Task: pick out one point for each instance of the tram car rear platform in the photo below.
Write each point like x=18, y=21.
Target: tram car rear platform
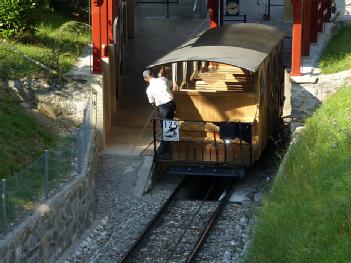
x=228, y=85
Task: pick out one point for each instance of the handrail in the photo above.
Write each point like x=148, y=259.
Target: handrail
x=166, y=2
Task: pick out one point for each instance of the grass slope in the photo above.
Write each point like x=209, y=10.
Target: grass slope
x=336, y=56
x=306, y=218
x=57, y=44
x=22, y=139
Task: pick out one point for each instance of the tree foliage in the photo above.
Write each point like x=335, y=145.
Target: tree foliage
x=19, y=16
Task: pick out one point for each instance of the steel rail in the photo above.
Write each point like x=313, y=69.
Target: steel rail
x=210, y=224
x=162, y=213
x=153, y=222
x=189, y=224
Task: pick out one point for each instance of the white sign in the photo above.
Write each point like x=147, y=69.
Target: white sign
x=171, y=131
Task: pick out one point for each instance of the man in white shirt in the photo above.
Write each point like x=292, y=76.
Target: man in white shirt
x=160, y=95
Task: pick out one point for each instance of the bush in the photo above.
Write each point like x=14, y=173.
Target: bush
x=19, y=16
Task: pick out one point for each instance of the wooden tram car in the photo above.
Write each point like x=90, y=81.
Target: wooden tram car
x=229, y=91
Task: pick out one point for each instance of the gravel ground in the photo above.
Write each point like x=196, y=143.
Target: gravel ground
x=173, y=239
x=123, y=215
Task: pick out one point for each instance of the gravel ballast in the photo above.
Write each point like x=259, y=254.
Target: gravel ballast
x=122, y=214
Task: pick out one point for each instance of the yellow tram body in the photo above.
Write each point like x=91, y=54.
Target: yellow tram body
x=227, y=81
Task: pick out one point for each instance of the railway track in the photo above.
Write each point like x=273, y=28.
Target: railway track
x=181, y=226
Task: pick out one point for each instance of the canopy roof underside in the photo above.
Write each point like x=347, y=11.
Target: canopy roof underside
x=241, y=45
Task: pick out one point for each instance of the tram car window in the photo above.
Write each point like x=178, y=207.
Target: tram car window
x=228, y=88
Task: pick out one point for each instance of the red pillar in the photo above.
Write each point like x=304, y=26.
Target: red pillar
x=296, y=38
x=314, y=21
x=213, y=6
x=104, y=28
x=306, y=28
x=96, y=35
x=103, y=12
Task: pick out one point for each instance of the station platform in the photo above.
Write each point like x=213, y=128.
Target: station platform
x=132, y=133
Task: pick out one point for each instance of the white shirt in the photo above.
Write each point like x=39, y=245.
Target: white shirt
x=159, y=91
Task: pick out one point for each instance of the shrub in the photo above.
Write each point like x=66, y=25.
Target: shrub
x=19, y=16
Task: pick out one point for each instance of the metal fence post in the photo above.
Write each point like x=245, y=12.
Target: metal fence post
x=78, y=149
x=167, y=9
x=4, y=211
x=84, y=130
x=46, y=174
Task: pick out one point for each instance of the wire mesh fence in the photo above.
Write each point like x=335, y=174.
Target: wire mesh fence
x=23, y=191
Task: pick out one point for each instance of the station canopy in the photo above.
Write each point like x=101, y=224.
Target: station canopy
x=241, y=45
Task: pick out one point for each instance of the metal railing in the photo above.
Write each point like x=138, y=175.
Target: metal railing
x=165, y=2
x=228, y=143
x=23, y=191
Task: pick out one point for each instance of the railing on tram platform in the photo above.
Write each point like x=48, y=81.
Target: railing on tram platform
x=220, y=144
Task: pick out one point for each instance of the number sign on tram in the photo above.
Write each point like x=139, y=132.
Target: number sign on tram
x=171, y=131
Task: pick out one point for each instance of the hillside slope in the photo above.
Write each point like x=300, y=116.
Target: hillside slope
x=306, y=217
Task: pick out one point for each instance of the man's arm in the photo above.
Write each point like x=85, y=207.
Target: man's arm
x=150, y=97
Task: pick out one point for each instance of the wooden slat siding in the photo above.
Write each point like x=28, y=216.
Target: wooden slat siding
x=183, y=151
x=269, y=106
x=199, y=106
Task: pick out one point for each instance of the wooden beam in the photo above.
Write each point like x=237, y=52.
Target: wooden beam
x=297, y=38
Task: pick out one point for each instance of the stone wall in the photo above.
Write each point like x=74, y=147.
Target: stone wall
x=56, y=224
x=55, y=98
x=305, y=98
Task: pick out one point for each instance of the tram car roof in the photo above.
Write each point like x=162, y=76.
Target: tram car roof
x=243, y=45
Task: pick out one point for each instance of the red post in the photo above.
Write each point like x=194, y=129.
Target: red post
x=96, y=35
x=296, y=38
x=104, y=28
x=103, y=13
x=213, y=6
x=314, y=21
x=306, y=28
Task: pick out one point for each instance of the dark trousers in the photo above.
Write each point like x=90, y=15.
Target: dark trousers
x=166, y=111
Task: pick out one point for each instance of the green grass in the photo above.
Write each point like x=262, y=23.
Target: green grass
x=22, y=144
x=306, y=218
x=22, y=138
x=57, y=44
x=336, y=56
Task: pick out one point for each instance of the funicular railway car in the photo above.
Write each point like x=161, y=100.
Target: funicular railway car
x=229, y=91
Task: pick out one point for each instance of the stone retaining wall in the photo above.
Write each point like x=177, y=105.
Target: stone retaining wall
x=56, y=224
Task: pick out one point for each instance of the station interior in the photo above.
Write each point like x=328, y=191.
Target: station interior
x=155, y=35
